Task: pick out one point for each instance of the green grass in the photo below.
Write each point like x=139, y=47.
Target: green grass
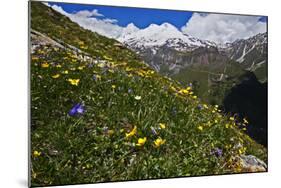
x=93, y=147
x=203, y=76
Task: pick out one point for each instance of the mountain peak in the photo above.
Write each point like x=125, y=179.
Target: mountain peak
x=132, y=26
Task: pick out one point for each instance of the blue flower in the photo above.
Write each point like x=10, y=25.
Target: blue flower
x=200, y=107
x=130, y=90
x=154, y=132
x=217, y=152
x=76, y=109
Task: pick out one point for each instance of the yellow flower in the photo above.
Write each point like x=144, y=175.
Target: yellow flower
x=36, y=153
x=74, y=81
x=216, y=121
x=200, y=128
x=113, y=86
x=183, y=91
x=227, y=125
x=158, y=142
x=56, y=76
x=194, y=97
x=80, y=67
x=58, y=66
x=162, y=125
x=45, y=65
x=231, y=118
x=34, y=58
x=132, y=133
x=188, y=88
x=138, y=97
x=141, y=141
x=205, y=106
x=110, y=132
x=242, y=150
x=65, y=72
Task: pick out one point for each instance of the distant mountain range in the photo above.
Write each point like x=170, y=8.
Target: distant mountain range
x=168, y=50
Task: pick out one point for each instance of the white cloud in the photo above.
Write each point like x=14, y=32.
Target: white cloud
x=223, y=28
x=87, y=19
x=58, y=9
x=88, y=14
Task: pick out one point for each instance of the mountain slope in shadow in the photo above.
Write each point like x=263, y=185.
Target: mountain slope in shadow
x=249, y=99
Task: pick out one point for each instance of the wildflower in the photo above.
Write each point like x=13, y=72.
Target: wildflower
x=227, y=125
x=200, y=128
x=158, y=142
x=183, y=91
x=36, y=153
x=130, y=90
x=97, y=77
x=113, y=86
x=217, y=152
x=132, y=133
x=76, y=109
x=65, y=72
x=45, y=65
x=200, y=107
x=194, y=97
x=245, y=121
x=231, y=118
x=205, y=106
x=58, y=66
x=56, y=76
x=74, y=81
x=34, y=58
x=154, y=132
x=242, y=150
x=80, y=67
x=141, y=141
x=162, y=125
x=110, y=132
x=216, y=121
x=138, y=97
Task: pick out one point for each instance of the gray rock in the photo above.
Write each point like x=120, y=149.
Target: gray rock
x=250, y=163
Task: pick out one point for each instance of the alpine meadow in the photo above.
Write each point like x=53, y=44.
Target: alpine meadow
x=149, y=103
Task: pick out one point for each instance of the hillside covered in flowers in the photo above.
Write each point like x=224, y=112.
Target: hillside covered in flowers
x=99, y=113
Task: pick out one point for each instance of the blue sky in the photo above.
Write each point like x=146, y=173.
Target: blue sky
x=139, y=16
x=110, y=21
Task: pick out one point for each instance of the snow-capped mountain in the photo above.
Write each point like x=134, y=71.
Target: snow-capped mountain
x=155, y=36
x=251, y=53
x=240, y=49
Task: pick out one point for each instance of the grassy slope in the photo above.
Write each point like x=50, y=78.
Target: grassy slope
x=202, y=75
x=92, y=147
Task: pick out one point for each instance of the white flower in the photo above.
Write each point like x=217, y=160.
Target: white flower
x=138, y=97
